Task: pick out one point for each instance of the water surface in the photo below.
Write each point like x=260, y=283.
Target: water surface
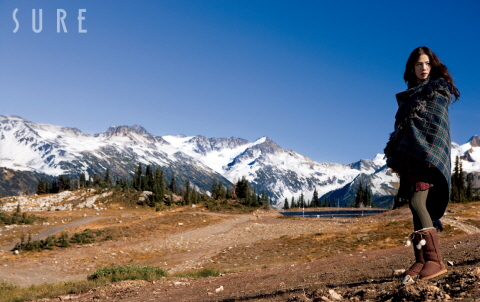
x=334, y=213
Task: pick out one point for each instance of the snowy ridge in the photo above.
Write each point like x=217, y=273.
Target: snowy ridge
x=281, y=173
x=469, y=153
x=55, y=150
x=289, y=173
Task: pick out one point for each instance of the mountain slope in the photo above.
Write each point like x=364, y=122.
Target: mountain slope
x=281, y=173
x=53, y=150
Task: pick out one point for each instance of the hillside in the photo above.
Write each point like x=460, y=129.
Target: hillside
x=263, y=256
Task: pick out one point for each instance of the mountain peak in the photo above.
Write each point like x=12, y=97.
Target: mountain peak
x=266, y=144
x=12, y=117
x=475, y=141
x=125, y=130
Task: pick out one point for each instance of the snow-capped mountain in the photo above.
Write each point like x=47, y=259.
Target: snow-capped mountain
x=54, y=150
x=281, y=173
x=469, y=153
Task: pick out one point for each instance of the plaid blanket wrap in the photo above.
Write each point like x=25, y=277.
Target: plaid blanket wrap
x=422, y=132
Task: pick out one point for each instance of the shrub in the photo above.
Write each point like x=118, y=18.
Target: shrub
x=86, y=236
x=63, y=240
x=49, y=243
x=128, y=272
x=19, y=218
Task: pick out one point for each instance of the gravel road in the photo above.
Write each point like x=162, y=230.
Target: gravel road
x=56, y=229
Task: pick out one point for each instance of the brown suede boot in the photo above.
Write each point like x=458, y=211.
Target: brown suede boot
x=431, y=253
x=415, y=269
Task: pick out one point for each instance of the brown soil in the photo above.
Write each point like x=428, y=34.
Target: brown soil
x=264, y=257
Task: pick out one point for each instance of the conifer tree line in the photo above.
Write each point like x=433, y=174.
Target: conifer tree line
x=462, y=184
x=67, y=183
x=152, y=178
x=300, y=202
x=241, y=191
x=363, y=199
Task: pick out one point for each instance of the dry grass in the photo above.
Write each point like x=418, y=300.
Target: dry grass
x=366, y=235
x=12, y=293
x=348, y=239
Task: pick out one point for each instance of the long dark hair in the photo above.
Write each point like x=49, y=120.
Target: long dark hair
x=438, y=70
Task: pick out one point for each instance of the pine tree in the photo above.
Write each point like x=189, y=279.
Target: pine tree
x=218, y=191
x=107, y=179
x=97, y=181
x=173, y=184
x=461, y=184
x=458, y=182
x=187, y=195
x=40, y=186
x=315, y=201
x=63, y=183
x=242, y=189
x=214, y=189
x=158, y=189
x=149, y=180
x=368, y=197
x=253, y=198
x=137, y=178
x=285, y=204
x=53, y=186
x=301, y=201
x=83, y=180
x=359, y=199
x=469, y=189
x=293, y=204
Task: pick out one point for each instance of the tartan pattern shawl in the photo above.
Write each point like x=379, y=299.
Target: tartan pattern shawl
x=422, y=131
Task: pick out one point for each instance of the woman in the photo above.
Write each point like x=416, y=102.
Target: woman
x=419, y=151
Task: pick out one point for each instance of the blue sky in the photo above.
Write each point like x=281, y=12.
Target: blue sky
x=318, y=77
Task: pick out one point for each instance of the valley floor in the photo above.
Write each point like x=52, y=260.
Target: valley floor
x=265, y=257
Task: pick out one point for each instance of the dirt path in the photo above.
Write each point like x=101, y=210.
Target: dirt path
x=56, y=229
x=360, y=276
x=187, y=248
x=177, y=250
x=469, y=229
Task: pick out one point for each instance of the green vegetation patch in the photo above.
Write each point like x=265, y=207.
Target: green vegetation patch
x=229, y=206
x=49, y=243
x=128, y=272
x=19, y=218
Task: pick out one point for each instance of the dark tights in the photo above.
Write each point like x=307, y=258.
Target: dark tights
x=418, y=206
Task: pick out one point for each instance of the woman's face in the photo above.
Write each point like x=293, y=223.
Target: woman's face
x=422, y=68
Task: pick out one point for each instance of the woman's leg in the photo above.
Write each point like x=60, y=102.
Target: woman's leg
x=421, y=220
x=418, y=206
x=423, y=225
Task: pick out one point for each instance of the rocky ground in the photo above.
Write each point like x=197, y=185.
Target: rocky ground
x=264, y=257
x=359, y=277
